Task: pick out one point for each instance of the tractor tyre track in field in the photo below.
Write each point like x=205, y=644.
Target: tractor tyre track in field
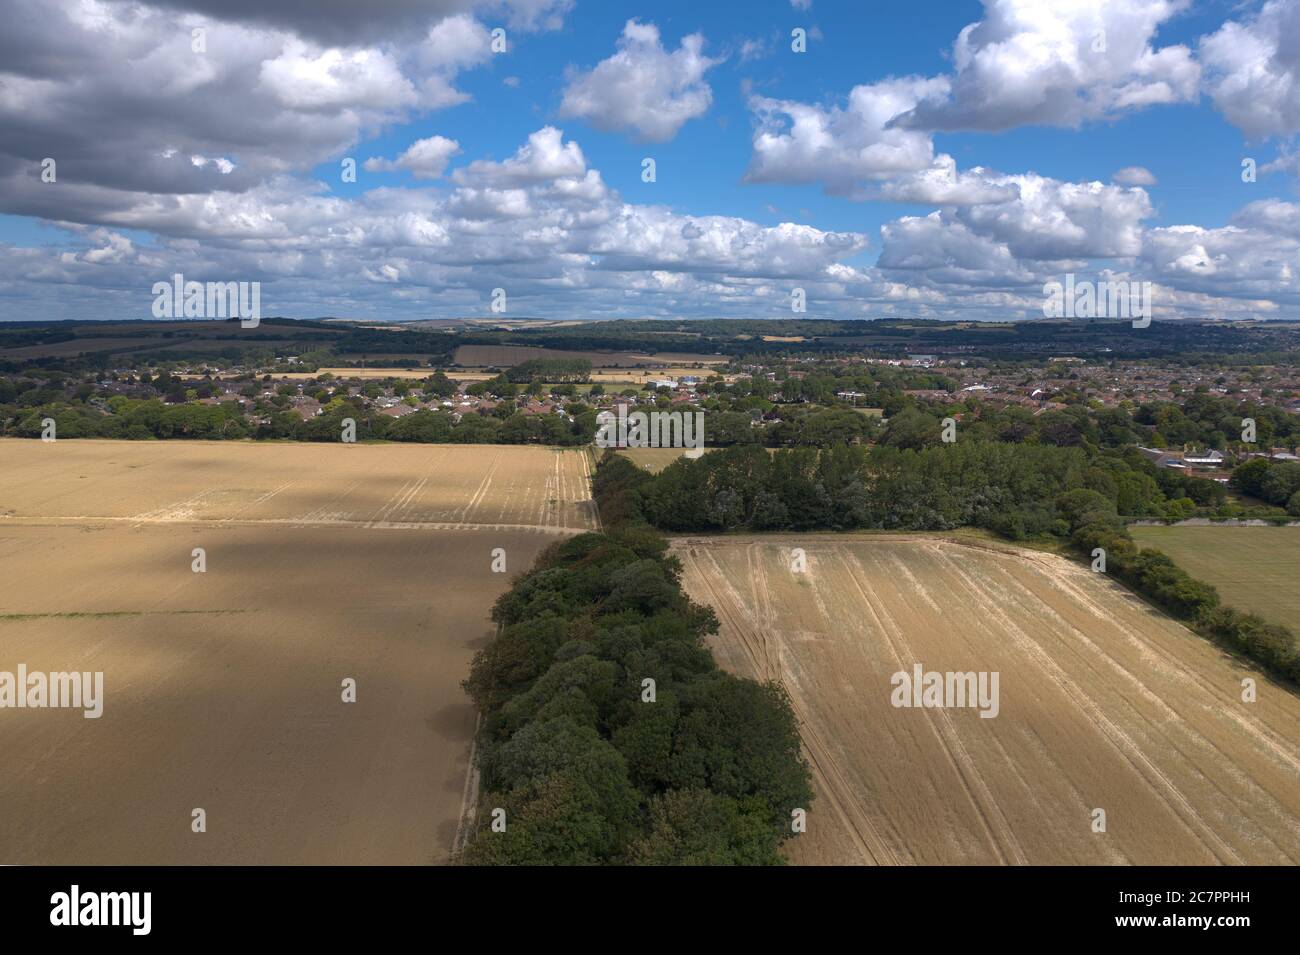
x=1105, y=703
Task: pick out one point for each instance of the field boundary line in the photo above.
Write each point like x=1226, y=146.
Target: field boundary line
x=469, y=795
x=588, y=470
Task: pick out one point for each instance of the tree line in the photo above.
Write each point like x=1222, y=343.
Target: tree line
x=153, y=418
x=1079, y=498
x=610, y=736
x=1010, y=489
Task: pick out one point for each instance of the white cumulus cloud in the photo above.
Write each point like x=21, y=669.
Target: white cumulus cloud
x=1134, y=176
x=643, y=89
x=842, y=147
x=423, y=159
x=1059, y=64
x=1253, y=70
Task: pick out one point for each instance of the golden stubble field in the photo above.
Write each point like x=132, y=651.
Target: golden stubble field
x=223, y=689
x=1104, y=704
x=420, y=486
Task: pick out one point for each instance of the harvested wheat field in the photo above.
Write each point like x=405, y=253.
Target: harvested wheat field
x=1103, y=703
x=223, y=690
x=420, y=486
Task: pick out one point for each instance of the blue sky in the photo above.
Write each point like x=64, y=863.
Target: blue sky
x=702, y=169
x=1194, y=153
x=899, y=167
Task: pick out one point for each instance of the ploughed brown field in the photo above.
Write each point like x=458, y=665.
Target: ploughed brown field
x=223, y=689
x=1104, y=703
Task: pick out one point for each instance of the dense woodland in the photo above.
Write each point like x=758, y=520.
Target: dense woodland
x=586, y=767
